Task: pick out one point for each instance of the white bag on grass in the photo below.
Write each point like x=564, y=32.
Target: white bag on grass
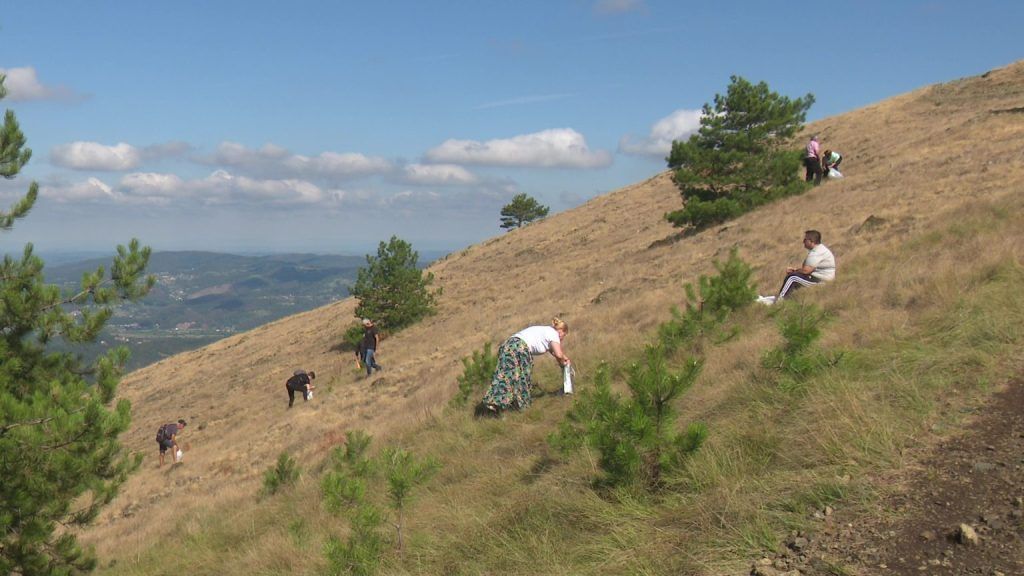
x=179, y=455
x=833, y=173
x=567, y=379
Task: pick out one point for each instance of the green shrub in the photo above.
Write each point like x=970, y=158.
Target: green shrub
x=391, y=289
x=476, y=374
x=344, y=488
x=284, y=473
x=404, y=473
x=344, y=485
x=738, y=160
x=636, y=437
x=353, y=336
x=797, y=358
x=360, y=555
x=347, y=489
x=710, y=303
x=703, y=213
x=730, y=290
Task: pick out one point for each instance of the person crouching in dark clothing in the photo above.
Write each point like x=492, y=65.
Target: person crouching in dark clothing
x=300, y=382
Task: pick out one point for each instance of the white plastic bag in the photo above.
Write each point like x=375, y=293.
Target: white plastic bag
x=179, y=455
x=567, y=379
x=309, y=395
x=833, y=173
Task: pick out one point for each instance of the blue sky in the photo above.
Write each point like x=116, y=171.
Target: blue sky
x=330, y=126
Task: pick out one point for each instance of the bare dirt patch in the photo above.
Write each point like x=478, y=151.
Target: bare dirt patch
x=973, y=480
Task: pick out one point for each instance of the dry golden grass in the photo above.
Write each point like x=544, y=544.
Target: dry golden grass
x=928, y=212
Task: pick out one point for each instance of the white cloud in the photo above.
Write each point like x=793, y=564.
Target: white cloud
x=274, y=161
x=120, y=157
x=275, y=192
x=555, y=148
x=466, y=202
x=223, y=190
x=95, y=156
x=678, y=125
x=337, y=165
x=222, y=187
x=618, y=6
x=148, y=184
x=23, y=84
x=412, y=199
x=90, y=190
x=438, y=175
x=219, y=188
x=235, y=154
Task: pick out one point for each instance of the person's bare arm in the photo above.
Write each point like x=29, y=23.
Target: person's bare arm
x=556, y=351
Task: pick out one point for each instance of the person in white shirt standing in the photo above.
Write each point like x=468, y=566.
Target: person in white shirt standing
x=511, y=384
x=819, y=266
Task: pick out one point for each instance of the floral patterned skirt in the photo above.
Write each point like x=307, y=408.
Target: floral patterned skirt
x=511, y=383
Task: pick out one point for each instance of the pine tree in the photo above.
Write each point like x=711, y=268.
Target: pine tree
x=60, y=460
x=522, y=210
x=404, y=472
x=738, y=160
x=392, y=290
x=637, y=437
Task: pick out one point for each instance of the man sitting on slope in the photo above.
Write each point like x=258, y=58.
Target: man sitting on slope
x=819, y=266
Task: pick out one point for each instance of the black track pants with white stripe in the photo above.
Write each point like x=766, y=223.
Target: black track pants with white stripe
x=795, y=280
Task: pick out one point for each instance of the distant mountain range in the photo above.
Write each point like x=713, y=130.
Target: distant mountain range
x=201, y=297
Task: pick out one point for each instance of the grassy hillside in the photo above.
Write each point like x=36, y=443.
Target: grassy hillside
x=927, y=228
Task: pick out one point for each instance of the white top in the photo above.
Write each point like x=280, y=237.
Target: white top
x=538, y=338
x=823, y=262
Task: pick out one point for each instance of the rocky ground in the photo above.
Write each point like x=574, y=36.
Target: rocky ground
x=959, y=513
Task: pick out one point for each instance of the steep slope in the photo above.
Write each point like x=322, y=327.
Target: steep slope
x=611, y=268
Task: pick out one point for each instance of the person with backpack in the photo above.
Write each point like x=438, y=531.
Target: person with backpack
x=167, y=438
x=301, y=381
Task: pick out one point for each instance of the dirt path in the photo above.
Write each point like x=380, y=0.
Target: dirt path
x=975, y=479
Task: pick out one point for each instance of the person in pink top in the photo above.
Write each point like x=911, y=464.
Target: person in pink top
x=812, y=161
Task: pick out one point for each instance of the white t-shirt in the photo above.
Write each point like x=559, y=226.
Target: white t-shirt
x=538, y=338
x=823, y=262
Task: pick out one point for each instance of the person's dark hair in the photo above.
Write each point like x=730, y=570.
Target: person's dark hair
x=182, y=422
x=312, y=375
x=813, y=236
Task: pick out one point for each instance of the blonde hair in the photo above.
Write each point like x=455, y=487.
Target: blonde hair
x=558, y=324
